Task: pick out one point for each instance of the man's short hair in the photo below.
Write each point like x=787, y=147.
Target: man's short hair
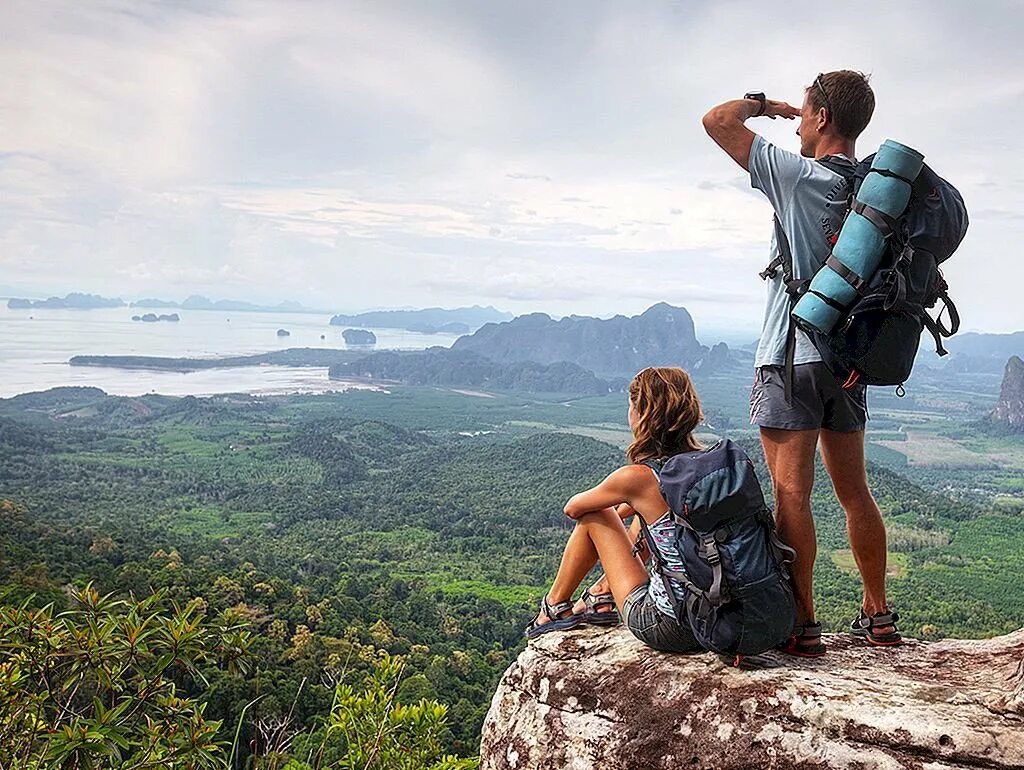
x=847, y=97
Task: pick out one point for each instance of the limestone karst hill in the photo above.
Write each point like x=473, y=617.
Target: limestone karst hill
x=596, y=699
x=610, y=347
x=1010, y=407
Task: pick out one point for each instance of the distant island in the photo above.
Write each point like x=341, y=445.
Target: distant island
x=290, y=357
x=452, y=369
x=428, y=320
x=199, y=302
x=532, y=353
x=359, y=337
x=437, y=366
x=73, y=301
x=153, y=317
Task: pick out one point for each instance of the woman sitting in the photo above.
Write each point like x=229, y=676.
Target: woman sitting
x=663, y=413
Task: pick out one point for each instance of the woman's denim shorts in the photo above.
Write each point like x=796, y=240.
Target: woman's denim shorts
x=653, y=627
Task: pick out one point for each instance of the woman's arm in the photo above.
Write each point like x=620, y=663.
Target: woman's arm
x=624, y=510
x=619, y=487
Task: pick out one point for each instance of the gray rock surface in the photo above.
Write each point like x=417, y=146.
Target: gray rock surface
x=598, y=699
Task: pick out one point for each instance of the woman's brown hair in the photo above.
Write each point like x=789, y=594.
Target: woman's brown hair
x=667, y=412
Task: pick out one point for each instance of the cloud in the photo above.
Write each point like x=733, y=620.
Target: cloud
x=532, y=177
x=545, y=156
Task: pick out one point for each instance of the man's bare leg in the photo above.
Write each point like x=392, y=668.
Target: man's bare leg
x=790, y=457
x=843, y=454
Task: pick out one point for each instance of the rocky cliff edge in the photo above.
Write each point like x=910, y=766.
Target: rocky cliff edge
x=595, y=698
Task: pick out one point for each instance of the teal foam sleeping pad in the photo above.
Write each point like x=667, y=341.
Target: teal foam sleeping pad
x=861, y=245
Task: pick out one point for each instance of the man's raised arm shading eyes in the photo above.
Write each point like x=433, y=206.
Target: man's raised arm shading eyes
x=725, y=123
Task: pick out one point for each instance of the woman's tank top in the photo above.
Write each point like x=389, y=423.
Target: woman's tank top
x=663, y=530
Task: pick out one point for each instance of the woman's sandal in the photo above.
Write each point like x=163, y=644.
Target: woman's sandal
x=555, y=622
x=864, y=628
x=805, y=641
x=599, y=617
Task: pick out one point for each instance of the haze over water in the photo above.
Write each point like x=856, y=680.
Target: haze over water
x=36, y=344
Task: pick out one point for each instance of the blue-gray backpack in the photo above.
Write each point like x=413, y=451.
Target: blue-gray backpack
x=738, y=600
x=877, y=338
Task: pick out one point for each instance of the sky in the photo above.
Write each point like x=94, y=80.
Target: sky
x=534, y=156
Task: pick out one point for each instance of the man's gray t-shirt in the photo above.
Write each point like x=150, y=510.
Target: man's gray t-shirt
x=810, y=201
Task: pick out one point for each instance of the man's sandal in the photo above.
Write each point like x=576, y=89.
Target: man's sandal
x=595, y=613
x=864, y=628
x=805, y=641
x=555, y=622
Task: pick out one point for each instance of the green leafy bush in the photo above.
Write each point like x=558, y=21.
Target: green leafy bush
x=369, y=729
x=111, y=683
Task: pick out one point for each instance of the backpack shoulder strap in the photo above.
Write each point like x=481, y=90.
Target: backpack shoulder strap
x=845, y=167
x=795, y=287
x=655, y=464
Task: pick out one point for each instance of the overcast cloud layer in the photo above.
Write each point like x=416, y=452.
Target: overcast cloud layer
x=534, y=156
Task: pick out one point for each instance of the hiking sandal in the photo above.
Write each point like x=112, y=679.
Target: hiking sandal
x=596, y=617
x=555, y=622
x=864, y=628
x=805, y=641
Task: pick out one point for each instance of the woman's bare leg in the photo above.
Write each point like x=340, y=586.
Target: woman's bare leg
x=597, y=535
x=601, y=586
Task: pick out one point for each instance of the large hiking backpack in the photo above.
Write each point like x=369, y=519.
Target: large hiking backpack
x=738, y=597
x=876, y=339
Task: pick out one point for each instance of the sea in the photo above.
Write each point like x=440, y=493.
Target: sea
x=36, y=344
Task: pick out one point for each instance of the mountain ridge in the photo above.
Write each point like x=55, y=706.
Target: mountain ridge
x=613, y=347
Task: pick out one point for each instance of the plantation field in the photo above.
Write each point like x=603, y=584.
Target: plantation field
x=930, y=449
x=896, y=563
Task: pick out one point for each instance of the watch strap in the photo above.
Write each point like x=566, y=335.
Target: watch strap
x=759, y=97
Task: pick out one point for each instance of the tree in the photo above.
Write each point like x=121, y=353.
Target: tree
x=111, y=683
x=369, y=729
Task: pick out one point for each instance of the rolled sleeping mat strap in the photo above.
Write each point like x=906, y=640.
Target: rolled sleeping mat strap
x=886, y=224
x=890, y=174
x=881, y=200
x=831, y=303
x=816, y=313
x=845, y=273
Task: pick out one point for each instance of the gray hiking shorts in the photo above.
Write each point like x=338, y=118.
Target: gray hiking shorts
x=653, y=627
x=819, y=400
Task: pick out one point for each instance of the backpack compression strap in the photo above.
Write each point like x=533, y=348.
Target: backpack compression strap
x=939, y=330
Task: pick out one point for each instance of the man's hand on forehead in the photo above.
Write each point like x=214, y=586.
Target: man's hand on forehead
x=776, y=109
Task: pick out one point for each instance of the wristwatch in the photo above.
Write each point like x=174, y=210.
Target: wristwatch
x=759, y=97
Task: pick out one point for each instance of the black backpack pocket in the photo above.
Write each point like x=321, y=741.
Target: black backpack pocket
x=881, y=344
x=760, y=617
x=719, y=630
x=769, y=613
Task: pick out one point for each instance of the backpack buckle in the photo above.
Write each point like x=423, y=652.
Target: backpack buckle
x=772, y=269
x=710, y=552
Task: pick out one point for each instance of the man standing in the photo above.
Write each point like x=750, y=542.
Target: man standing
x=795, y=400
